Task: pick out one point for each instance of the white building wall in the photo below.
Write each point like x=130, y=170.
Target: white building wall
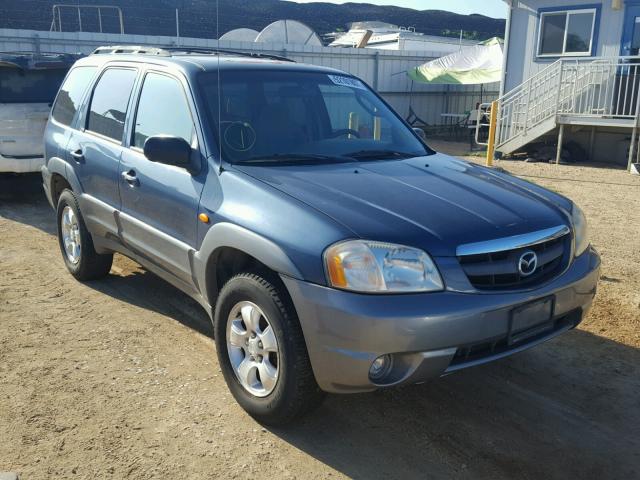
x=523, y=62
x=383, y=70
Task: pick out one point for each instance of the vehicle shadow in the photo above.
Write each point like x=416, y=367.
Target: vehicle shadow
x=566, y=409
x=22, y=199
x=132, y=284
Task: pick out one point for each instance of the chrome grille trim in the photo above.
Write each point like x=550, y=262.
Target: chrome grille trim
x=512, y=243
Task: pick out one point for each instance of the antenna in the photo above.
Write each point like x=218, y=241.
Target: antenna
x=219, y=88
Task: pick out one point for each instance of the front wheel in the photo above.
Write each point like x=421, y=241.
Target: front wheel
x=262, y=352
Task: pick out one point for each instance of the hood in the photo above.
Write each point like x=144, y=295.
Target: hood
x=435, y=203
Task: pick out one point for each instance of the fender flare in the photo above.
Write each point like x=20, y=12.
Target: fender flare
x=228, y=235
x=58, y=166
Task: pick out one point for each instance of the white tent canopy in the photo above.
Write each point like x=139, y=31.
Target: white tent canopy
x=473, y=65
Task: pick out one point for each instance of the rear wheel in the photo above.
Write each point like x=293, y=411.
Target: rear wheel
x=76, y=245
x=262, y=352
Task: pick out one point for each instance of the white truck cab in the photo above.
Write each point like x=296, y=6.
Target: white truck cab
x=28, y=85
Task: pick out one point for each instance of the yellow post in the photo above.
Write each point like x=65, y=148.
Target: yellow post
x=354, y=123
x=377, y=128
x=493, y=123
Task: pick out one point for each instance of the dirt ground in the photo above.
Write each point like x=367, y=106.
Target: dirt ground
x=118, y=378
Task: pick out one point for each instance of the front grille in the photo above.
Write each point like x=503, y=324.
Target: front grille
x=499, y=270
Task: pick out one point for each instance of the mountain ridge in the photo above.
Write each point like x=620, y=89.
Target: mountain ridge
x=198, y=17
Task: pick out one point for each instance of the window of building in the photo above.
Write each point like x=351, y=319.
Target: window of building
x=635, y=37
x=110, y=101
x=570, y=33
x=162, y=110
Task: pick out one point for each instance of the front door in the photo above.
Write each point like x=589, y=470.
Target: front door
x=631, y=31
x=160, y=202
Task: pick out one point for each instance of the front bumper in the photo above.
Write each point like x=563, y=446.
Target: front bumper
x=429, y=335
x=20, y=165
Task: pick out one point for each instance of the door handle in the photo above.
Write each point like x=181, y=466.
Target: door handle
x=130, y=178
x=77, y=155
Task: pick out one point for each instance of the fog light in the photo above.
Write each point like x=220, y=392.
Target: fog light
x=380, y=367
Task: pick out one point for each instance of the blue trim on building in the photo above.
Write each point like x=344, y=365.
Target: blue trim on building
x=596, y=30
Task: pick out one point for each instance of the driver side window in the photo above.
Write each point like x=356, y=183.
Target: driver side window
x=162, y=110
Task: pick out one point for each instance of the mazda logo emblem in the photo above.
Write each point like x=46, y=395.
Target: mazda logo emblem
x=528, y=263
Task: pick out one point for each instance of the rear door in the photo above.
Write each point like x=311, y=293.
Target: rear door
x=65, y=111
x=160, y=202
x=95, y=148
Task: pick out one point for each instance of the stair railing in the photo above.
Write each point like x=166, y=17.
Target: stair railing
x=601, y=87
x=529, y=104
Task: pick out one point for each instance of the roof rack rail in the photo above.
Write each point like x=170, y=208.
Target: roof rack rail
x=224, y=51
x=129, y=49
x=170, y=51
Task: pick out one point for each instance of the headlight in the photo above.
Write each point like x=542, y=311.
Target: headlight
x=375, y=267
x=580, y=235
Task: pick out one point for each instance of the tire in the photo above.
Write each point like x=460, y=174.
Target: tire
x=89, y=265
x=296, y=392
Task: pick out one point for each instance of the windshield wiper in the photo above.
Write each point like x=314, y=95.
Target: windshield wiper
x=380, y=155
x=294, y=158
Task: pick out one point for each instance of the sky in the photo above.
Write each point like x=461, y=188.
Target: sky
x=490, y=8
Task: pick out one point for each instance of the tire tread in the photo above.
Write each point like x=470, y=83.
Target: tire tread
x=307, y=395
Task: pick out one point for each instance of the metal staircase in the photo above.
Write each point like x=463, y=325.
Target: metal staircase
x=600, y=92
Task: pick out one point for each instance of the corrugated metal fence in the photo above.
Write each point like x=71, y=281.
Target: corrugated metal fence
x=384, y=70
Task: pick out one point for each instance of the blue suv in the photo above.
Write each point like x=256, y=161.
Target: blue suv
x=332, y=248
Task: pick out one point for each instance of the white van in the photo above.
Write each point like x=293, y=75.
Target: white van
x=28, y=85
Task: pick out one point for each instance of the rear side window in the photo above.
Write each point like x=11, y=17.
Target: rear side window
x=162, y=110
x=71, y=94
x=109, y=102
x=29, y=86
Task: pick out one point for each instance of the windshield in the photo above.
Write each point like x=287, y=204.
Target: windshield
x=30, y=86
x=284, y=116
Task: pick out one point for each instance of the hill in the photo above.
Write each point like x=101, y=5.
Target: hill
x=198, y=17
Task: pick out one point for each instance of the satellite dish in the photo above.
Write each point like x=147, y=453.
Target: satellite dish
x=240, y=35
x=289, y=31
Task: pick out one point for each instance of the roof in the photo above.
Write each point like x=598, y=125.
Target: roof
x=198, y=59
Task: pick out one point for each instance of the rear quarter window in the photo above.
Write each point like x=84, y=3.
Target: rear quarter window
x=29, y=86
x=71, y=94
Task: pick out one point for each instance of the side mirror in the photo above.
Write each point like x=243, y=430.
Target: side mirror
x=168, y=150
x=420, y=133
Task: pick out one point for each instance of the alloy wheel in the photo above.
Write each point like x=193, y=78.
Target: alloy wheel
x=253, y=349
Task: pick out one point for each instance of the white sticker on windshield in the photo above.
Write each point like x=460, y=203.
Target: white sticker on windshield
x=347, y=81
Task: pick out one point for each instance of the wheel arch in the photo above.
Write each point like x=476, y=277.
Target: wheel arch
x=61, y=176
x=228, y=248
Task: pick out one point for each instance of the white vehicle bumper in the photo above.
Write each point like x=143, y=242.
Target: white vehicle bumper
x=20, y=165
